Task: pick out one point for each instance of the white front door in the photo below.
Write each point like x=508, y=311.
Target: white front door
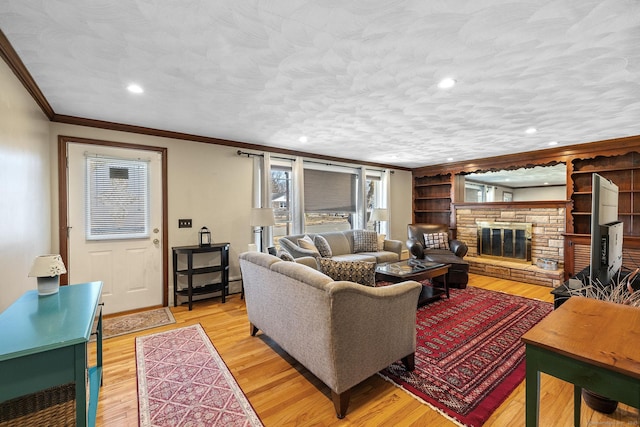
x=115, y=230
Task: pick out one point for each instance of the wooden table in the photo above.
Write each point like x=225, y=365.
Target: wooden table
x=416, y=270
x=590, y=343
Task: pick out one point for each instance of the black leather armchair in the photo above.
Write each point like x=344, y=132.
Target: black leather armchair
x=458, y=275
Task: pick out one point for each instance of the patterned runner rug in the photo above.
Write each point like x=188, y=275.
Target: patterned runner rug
x=128, y=323
x=469, y=356
x=183, y=381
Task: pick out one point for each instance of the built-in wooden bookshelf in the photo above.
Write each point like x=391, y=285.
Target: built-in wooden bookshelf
x=622, y=170
x=432, y=197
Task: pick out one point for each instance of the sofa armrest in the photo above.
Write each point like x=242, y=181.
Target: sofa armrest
x=393, y=246
x=363, y=341
x=297, y=251
x=415, y=248
x=458, y=247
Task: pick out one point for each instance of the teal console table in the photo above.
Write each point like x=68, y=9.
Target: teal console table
x=43, y=344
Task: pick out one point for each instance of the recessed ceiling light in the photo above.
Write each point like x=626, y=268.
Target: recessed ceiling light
x=546, y=183
x=447, y=83
x=135, y=88
x=303, y=139
x=450, y=159
x=553, y=143
x=531, y=131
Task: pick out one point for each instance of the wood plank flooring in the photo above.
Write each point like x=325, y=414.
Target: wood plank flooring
x=284, y=393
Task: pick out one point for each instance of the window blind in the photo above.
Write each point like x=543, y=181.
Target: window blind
x=117, y=199
x=328, y=191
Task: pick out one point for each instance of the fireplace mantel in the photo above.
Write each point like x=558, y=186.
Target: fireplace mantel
x=514, y=205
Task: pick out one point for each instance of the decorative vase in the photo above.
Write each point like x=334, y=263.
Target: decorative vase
x=599, y=403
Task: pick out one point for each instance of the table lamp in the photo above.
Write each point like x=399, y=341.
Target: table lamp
x=48, y=268
x=379, y=214
x=262, y=217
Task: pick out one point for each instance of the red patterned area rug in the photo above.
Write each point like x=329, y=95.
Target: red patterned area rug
x=469, y=356
x=183, y=381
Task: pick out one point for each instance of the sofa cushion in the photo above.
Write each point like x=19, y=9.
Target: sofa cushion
x=339, y=242
x=382, y=256
x=381, y=238
x=362, y=256
x=361, y=272
x=323, y=246
x=436, y=241
x=307, y=243
x=365, y=241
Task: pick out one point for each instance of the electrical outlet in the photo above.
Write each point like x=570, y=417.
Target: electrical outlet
x=184, y=223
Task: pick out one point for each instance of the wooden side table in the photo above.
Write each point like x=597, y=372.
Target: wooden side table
x=43, y=344
x=590, y=343
x=211, y=285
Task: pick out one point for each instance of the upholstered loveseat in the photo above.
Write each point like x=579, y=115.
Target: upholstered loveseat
x=441, y=248
x=349, y=245
x=341, y=331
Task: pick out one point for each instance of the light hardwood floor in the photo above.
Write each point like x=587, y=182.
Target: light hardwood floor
x=284, y=393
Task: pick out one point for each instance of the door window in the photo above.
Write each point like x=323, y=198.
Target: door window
x=117, y=199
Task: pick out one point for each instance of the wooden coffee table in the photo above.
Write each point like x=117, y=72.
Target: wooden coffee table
x=417, y=270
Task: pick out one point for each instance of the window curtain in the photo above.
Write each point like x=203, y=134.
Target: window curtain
x=262, y=195
x=298, y=195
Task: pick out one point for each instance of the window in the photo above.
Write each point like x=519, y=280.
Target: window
x=312, y=197
x=375, y=198
x=330, y=198
x=117, y=199
x=282, y=198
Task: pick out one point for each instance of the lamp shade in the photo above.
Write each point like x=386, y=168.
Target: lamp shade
x=380, y=214
x=262, y=217
x=48, y=268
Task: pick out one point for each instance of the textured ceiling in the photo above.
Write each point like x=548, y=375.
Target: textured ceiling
x=358, y=78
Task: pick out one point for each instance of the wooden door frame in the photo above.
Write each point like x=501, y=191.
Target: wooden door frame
x=63, y=200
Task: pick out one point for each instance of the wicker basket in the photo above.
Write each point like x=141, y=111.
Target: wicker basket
x=54, y=406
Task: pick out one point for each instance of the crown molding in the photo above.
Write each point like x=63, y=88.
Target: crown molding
x=10, y=56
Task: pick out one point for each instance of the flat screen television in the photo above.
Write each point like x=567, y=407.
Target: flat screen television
x=606, y=231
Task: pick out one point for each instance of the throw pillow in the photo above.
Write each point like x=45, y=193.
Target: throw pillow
x=323, y=246
x=307, y=243
x=361, y=272
x=381, y=239
x=285, y=256
x=436, y=241
x=365, y=241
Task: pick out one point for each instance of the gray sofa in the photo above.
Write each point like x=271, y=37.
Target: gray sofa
x=342, y=248
x=340, y=331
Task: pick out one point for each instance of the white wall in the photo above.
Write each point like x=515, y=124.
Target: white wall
x=25, y=188
x=208, y=183
x=401, y=203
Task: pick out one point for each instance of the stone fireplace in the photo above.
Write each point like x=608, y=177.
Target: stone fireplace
x=510, y=241
x=547, y=220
